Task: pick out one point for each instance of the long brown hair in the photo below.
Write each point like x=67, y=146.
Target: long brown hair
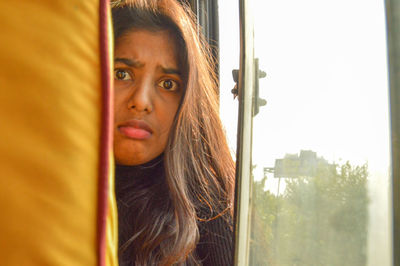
x=199, y=170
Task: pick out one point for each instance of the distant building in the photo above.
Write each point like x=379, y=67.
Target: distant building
x=294, y=165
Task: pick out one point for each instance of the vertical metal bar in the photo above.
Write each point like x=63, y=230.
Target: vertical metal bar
x=194, y=5
x=214, y=31
x=207, y=17
x=202, y=17
x=208, y=24
x=197, y=9
x=244, y=145
x=393, y=28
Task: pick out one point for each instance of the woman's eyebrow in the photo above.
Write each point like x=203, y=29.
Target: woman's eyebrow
x=167, y=70
x=129, y=62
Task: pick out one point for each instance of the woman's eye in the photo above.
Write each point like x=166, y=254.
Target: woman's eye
x=169, y=84
x=120, y=74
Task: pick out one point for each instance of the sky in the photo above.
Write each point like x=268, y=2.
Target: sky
x=326, y=88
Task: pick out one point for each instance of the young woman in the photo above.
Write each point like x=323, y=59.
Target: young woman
x=174, y=171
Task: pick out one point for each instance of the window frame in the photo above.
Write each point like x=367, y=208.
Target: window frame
x=243, y=182
x=206, y=12
x=393, y=42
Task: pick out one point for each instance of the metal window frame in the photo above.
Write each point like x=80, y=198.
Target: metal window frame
x=393, y=35
x=246, y=85
x=206, y=12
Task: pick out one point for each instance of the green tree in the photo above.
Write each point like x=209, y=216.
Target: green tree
x=319, y=220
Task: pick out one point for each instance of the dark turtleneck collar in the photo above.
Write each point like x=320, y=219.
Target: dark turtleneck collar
x=131, y=178
x=130, y=171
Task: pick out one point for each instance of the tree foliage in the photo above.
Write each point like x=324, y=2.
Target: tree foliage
x=318, y=220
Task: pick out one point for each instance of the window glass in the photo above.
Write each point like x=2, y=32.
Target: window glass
x=321, y=147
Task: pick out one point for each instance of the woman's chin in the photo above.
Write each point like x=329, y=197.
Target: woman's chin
x=129, y=160
x=133, y=158
x=134, y=152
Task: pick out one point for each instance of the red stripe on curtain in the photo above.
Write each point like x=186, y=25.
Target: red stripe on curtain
x=106, y=133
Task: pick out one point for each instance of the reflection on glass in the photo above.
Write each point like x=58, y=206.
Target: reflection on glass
x=320, y=192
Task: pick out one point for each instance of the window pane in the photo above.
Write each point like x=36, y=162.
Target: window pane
x=321, y=151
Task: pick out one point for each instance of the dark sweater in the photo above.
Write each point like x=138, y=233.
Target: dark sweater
x=135, y=185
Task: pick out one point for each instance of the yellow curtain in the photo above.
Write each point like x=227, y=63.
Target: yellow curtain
x=51, y=107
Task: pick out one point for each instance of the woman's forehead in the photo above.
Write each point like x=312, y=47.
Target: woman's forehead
x=141, y=43
x=143, y=48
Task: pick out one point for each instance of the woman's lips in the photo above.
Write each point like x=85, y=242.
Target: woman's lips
x=135, y=129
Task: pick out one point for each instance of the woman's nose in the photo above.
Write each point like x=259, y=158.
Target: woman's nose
x=141, y=97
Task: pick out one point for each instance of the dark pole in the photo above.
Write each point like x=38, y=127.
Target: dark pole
x=393, y=31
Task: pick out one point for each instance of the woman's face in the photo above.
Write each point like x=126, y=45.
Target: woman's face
x=148, y=90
